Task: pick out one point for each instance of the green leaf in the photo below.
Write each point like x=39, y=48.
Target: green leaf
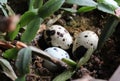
x=10, y=53
x=69, y=10
x=12, y=35
x=3, y=1
x=7, y=69
x=50, y=7
x=86, y=9
x=23, y=61
x=69, y=62
x=4, y=11
x=111, y=3
x=109, y=28
x=31, y=30
x=22, y=78
x=82, y=2
x=118, y=1
x=85, y=58
x=105, y=8
x=38, y=3
x=26, y=18
x=64, y=76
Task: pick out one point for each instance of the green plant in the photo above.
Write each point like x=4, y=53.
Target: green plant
x=75, y=66
x=7, y=69
x=31, y=21
x=107, y=6
x=6, y=8
x=35, y=15
x=89, y=5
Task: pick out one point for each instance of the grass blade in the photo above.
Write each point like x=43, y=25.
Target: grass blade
x=108, y=30
x=31, y=30
x=50, y=7
x=64, y=76
x=7, y=69
x=86, y=57
x=23, y=61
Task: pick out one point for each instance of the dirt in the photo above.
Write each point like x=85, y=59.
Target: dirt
x=99, y=66
x=102, y=63
x=105, y=61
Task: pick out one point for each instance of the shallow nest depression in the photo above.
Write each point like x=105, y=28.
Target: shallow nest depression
x=101, y=60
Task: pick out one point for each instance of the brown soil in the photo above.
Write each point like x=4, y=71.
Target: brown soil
x=102, y=63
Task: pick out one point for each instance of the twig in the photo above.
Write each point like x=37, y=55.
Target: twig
x=52, y=21
x=6, y=45
x=13, y=44
x=35, y=50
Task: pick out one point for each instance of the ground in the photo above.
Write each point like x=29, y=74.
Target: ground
x=102, y=63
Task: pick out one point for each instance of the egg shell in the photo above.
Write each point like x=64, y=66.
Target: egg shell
x=84, y=41
x=58, y=36
x=56, y=53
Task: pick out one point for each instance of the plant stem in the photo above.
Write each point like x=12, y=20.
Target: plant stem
x=85, y=58
x=31, y=5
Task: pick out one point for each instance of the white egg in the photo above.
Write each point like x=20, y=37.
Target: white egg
x=56, y=53
x=58, y=36
x=84, y=41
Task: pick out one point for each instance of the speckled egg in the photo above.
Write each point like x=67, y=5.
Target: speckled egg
x=83, y=42
x=58, y=36
x=56, y=53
